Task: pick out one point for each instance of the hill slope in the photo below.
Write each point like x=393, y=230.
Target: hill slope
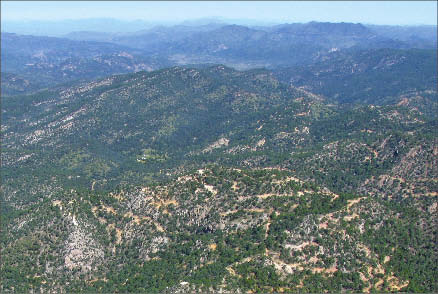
x=47, y=61
x=212, y=178
x=384, y=76
x=117, y=129
x=232, y=229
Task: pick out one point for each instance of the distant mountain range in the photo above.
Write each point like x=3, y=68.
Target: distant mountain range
x=414, y=36
x=58, y=28
x=62, y=27
x=97, y=54
x=373, y=76
x=268, y=46
x=48, y=61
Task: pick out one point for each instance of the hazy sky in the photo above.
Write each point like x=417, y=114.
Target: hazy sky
x=371, y=12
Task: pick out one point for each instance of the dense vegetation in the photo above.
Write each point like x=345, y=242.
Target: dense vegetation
x=260, y=230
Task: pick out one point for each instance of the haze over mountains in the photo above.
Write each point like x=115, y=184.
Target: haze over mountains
x=110, y=25
x=222, y=158
x=93, y=54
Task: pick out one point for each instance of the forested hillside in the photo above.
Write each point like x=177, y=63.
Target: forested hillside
x=217, y=228
x=161, y=181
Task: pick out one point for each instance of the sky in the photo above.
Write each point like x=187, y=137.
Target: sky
x=367, y=12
